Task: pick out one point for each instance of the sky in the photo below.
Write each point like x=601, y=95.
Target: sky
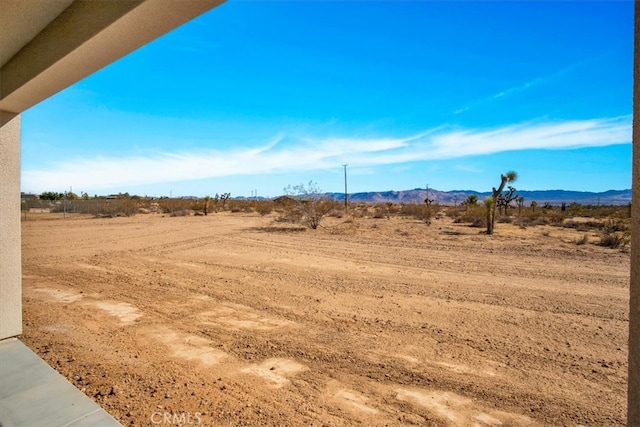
x=254, y=96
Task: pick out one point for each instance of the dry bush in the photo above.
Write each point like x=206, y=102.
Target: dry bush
x=307, y=205
x=167, y=205
x=583, y=225
x=287, y=215
x=620, y=212
x=180, y=212
x=379, y=213
x=264, y=207
x=454, y=211
x=555, y=217
x=474, y=215
x=583, y=240
x=505, y=219
x=615, y=240
x=238, y=206
x=615, y=234
x=541, y=220
x=615, y=225
x=418, y=211
x=522, y=221
x=392, y=209
x=356, y=213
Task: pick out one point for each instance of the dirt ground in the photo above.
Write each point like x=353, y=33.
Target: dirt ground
x=234, y=320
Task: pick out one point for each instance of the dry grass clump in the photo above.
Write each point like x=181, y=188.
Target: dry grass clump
x=615, y=234
x=264, y=207
x=583, y=240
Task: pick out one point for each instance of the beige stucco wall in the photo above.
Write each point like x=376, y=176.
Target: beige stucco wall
x=10, y=256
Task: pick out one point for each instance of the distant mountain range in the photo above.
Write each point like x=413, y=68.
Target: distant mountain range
x=555, y=197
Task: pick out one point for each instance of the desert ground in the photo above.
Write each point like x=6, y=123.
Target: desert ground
x=232, y=319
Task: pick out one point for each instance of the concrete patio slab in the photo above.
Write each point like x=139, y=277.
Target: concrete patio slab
x=34, y=394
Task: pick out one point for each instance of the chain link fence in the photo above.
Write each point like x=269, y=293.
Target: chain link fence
x=96, y=207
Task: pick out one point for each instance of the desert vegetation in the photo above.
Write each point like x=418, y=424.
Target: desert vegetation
x=608, y=226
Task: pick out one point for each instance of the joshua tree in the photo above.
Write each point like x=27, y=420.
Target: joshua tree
x=491, y=202
x=206, y=204
x=520, y=202
x=224, y=198
x=504, y=199
x=472, y=200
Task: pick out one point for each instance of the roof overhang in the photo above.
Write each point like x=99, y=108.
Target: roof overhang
x=48, y=45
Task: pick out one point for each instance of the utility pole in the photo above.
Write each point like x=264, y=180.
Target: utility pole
x=346, y=197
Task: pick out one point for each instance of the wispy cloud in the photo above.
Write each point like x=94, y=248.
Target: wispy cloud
x=290, y=153
x=516, y=89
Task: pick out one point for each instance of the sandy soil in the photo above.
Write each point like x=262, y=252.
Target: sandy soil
x=232, y=319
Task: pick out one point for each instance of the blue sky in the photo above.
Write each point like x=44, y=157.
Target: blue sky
x=257, y=95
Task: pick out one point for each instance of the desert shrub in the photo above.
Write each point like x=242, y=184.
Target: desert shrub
x=289, y=216
x=379, y=213
x=474, y=215
x=454, y=212
x=479, y=222
x=583, y=225
x=571, y=224
x=594, y=224
x=615, y=234
x=356, y=213
x=541, y=220
x=407, y=209
x=614, y=225
x=577, y=225
x=591, y=211
x=309, y=205
x=614, y=240
x=522, y=221
x=167, y=205
x=418, y=211
x=583, y=240
x=392, y=209
x=555, y=217
x=575, y=208
x=180, y=212
x=505, y=219
x=264, y=207
x=425, y=213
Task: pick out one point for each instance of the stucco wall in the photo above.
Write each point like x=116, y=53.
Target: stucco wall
x=10, y=248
